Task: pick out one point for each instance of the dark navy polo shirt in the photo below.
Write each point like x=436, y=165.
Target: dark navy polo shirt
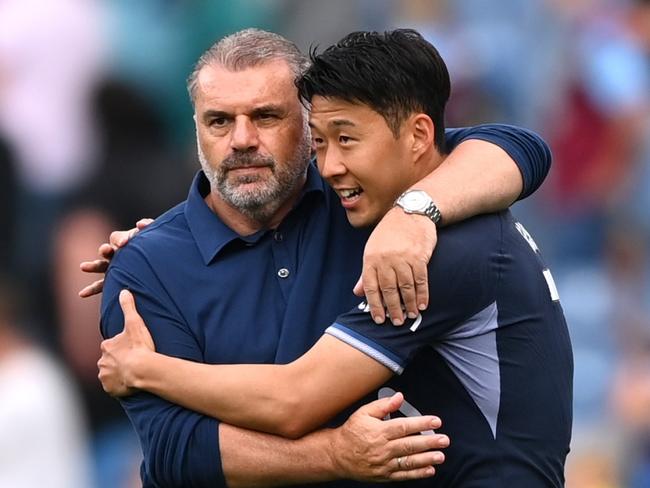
x=491, y=356
x=210, y=295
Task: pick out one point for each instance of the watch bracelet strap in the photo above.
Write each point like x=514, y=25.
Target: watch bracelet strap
x=433, y=212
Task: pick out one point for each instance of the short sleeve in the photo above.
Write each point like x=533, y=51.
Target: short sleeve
x=527, y=149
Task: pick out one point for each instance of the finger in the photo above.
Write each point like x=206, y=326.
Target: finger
x=421, y=279
x=382, y=407
x=390, y=295
x=406, y=283
x=414, y=474
x=415, y=444
x=421, y=460
x=358, y=288
x=106, y=251
x=142, y=223
x=96, y=266
x=373, y=295
x=405, y=426
x=93, y=289
x=119, y=238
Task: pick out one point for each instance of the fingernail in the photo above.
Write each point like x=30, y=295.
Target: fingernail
x=438, y=457
x=422, y=306
x=397, y=322
x=412, y=315
x=444, y=441
x=378, y=319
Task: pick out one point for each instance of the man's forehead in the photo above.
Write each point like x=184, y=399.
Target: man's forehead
x=212, y=75
x=269, y=82
x=336, y=112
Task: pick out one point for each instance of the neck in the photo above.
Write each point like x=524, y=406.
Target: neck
x=426, y=164
x=244, y=224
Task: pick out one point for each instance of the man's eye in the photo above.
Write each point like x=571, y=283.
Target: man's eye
x=267, y=117
x=344, y=139
x=317, y=141
x=219, y=122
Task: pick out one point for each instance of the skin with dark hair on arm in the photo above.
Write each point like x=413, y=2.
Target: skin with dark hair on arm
x=364, y=448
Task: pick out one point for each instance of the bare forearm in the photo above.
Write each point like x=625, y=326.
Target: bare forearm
x=365, y=448
x=462, y=188
x=251, y=459
x=235, y=394
x=289, y=400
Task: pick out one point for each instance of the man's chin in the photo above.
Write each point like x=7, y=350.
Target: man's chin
x=359, y=221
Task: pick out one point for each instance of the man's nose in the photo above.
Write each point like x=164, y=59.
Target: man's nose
x=244, y=136
x=330, y=163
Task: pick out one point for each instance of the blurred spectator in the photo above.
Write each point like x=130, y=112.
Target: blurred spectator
x=43, y=441
x=51, y=55
x=598, y=127
x=627, y=263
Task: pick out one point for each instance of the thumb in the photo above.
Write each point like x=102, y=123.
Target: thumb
x=131, y=316
x=382, y=407
x=358, y=288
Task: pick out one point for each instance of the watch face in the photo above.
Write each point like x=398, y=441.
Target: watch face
x=415, y=200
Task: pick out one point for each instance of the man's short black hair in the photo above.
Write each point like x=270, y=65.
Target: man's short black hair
x=396, y=73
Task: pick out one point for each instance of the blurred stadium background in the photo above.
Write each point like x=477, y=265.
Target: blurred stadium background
x=96, y=132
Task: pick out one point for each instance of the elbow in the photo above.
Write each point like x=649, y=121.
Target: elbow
x=292, y=418
x=294, y=428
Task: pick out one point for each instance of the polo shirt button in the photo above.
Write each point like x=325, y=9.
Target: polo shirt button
x=278, y=237
x=283, y=272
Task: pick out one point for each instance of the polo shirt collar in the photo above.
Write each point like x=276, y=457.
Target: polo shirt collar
x=209, y=231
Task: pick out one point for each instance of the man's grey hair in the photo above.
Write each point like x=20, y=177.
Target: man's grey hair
x=248, y=48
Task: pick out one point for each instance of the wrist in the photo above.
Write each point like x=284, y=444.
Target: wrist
x=423, y=223
x=333, y=448
x=138, y=370
x=419, y=202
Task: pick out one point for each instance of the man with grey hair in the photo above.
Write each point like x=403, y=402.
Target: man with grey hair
x=262, y=245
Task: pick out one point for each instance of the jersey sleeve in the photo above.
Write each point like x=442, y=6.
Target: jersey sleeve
x=180, y=447
x=463, y=280
x=528, y=150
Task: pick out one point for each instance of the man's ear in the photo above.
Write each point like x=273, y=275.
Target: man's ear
x=423, y=133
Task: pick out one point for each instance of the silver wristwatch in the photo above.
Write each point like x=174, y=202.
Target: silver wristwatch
x=420, y=203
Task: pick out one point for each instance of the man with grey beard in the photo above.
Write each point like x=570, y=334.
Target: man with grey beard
x=262, y=245
x=260, y=204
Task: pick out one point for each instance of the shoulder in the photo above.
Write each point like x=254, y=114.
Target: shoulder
x=161, y=239
x=472, y=239
x=149, y=257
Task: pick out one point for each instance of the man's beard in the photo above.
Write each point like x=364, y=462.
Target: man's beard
x=261, y=201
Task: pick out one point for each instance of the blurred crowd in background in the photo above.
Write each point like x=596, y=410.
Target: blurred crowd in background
x=96, y=132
